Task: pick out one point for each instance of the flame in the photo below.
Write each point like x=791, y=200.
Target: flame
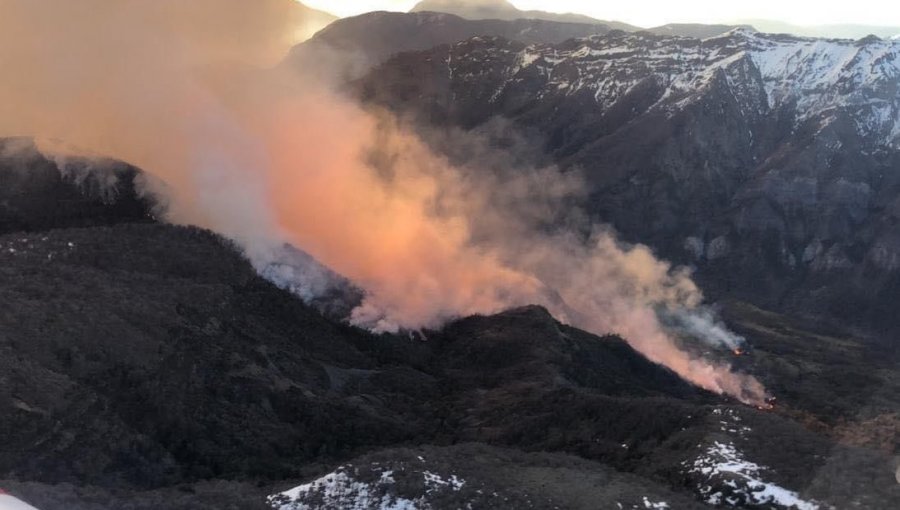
x=768, y=404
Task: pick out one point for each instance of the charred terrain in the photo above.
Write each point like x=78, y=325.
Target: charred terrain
x=145, y=365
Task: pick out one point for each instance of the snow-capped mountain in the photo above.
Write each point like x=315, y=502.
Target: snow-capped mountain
x=816, y=77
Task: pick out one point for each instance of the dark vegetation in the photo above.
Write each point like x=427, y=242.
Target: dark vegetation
x=174, y=361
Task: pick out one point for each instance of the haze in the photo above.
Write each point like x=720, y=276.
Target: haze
x=650, y=13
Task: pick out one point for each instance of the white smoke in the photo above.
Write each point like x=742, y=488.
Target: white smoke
x=703, y=324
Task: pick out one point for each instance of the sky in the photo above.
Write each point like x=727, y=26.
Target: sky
x=649, y=13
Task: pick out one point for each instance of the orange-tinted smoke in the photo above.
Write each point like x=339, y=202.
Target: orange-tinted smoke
x=168, y=85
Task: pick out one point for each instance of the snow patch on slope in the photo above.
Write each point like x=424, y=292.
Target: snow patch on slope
x=342, y=489
x=725, y=467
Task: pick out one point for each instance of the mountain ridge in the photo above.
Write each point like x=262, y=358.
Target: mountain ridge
x=504, y=10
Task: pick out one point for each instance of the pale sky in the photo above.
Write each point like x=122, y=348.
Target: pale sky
x=649, y=13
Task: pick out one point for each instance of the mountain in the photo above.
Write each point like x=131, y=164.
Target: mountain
x=145, y=365
x=502, y=9
x=362, y=41
x=766, y=161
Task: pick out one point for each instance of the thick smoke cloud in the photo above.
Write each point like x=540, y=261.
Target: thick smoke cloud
x=269, y=157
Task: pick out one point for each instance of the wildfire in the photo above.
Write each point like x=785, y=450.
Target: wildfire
x=740, y=352
x=769, y=404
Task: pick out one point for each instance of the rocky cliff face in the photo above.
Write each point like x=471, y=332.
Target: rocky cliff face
x=767, y=161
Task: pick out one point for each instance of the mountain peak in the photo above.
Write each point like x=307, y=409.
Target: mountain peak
x=475, y=9
x=742, y=30
x=869, y=39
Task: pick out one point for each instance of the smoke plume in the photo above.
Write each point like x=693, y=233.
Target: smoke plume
x=269, y=157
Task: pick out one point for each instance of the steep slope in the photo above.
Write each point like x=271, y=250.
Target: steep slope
x=764, y=160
